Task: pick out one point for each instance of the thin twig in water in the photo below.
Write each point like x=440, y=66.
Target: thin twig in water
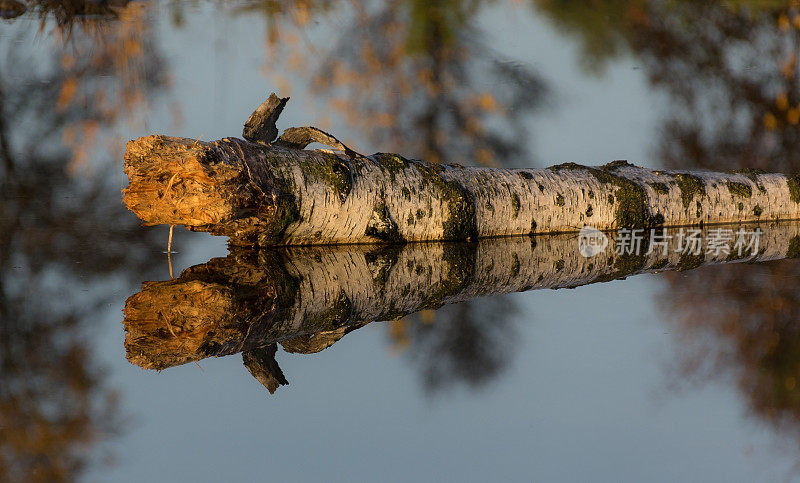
x=169, y=242
x=169, y=262
x=169, y=251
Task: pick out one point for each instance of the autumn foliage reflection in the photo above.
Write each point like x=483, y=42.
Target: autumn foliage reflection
x=417, y=77
x=730, y=70
x=65, y=239
x=743, y=113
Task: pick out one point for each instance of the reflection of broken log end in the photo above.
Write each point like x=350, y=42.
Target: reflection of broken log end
x=174, y=322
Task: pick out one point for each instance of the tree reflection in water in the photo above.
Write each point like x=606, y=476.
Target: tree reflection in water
x=746, y=117
x=731, y=75
x=467, y=343
x=63, y=232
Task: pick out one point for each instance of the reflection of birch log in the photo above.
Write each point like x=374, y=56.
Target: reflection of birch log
x=306, y=298
x=281, y=194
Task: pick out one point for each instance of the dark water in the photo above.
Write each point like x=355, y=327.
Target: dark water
x=687, y=375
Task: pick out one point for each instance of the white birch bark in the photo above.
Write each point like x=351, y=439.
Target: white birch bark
x=273, y=195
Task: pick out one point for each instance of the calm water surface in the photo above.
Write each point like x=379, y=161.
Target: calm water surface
x=689, y=375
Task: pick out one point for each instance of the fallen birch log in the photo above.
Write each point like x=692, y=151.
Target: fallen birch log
x=265, y=192
x=307, y=298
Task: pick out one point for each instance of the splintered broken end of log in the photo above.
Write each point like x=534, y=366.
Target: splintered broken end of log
x=173, y=182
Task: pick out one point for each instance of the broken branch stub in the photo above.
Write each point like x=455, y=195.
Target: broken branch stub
x=279, y=194
x=260, y=127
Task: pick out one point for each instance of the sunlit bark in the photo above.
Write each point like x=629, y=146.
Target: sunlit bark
x=274, y=195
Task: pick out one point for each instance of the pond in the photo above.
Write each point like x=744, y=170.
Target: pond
x=519, y=358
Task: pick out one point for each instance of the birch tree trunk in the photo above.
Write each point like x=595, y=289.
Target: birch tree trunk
x=276, y=193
